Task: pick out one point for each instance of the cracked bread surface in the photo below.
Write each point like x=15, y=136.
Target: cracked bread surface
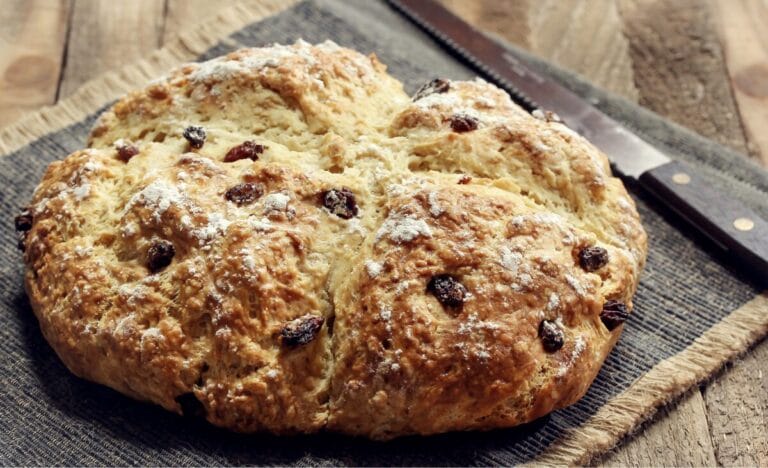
x=458, y=182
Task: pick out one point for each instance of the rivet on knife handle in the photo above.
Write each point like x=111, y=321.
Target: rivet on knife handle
x=719, y=216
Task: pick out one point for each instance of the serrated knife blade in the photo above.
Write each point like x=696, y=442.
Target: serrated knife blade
x=677, y=185
x=631, y=155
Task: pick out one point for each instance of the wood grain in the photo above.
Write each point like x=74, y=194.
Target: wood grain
x=107, y=34
x=673, y=438
x=743, y=28
x=678, y=66
x=587, y=38
x=182, y=14
x=32, y=39
x=507, y=19
x=737, y=407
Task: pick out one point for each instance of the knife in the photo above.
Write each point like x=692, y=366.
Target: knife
x=728, y=222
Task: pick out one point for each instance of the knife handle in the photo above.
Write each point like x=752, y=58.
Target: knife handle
x=720, y=217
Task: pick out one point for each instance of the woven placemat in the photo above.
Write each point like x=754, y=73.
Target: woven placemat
x=694, y=311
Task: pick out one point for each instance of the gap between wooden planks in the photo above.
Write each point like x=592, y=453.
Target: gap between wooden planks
x=677, y=58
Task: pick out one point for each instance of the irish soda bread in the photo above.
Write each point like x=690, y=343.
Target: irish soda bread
x=281, y=239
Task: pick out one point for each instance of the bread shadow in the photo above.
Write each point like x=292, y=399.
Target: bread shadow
x=139, y=432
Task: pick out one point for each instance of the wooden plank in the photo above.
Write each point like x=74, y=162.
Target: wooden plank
x=108, y=34
x=585, y=37
x=672, y=439
x=32, y=38
x=679, y=68
x=737, y=404
x=183, y=14
x=743, y=28
x=505, y=18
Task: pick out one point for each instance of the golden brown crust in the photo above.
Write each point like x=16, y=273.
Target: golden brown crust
x=405, y=363
x=388, y=357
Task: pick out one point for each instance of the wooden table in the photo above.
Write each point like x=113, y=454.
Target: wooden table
x=701, y=63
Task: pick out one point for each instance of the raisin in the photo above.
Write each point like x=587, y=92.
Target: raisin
x=593, y=258
x=244, y=193
x=465, y=179
x=160, y=255
x=200, y=378
x=301, y=330
x=552, y=336
x=247, y=150
x=195, y=136
x=461, y=123
x=614, y=314
x=21, y=241
x=340, y=202
x=545, y=115
x=126, y=150
x=448, y=290
x=438, y=85
x=23, y=221
x=191, y=407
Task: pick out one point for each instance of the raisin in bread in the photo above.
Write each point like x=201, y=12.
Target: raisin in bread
x=282, y=240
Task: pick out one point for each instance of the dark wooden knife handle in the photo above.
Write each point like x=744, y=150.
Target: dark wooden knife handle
x=720, y=217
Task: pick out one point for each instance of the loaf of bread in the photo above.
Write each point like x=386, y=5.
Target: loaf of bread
x=282, y=240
